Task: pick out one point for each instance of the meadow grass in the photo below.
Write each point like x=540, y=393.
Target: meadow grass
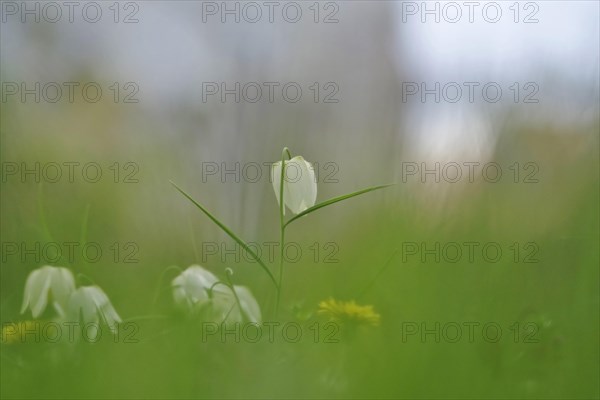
x=559, y=293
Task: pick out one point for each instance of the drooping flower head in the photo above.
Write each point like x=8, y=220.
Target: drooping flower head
x=191, y=287
x=91, y=305
x=199, y=291
x=348, y=313
x=299, y=184
x=48, y=283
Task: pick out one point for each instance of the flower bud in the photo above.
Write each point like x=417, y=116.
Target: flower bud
x=299, y=184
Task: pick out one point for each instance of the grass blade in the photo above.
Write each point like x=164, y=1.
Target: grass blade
x=227, y=231
x=335, y=200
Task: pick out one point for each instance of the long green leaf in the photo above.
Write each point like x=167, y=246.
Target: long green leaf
x=227, y=231
x=333, y=201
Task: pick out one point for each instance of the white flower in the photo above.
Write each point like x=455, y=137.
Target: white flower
x=57, y=282
x=92, y=305
x=190, y=288
x=299, y=184
x=225, y=306
x=198, y=290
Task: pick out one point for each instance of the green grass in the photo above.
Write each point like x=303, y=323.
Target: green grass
x=559, y=293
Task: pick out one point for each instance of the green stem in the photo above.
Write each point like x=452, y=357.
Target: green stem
x=229, y=285
x=281, y=225
x=228, y=273
x=281, y=245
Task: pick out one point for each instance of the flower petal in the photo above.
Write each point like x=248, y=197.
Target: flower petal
x=192, y=285
x=39, y=291
x=250, y=307
x=300, y=191
x=276, y=181
x=33, y=278
x=62, y=285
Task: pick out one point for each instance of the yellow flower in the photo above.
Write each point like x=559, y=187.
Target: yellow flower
x=348, y=312
x=22, y=331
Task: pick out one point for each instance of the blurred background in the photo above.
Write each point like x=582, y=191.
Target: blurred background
x=378, y=83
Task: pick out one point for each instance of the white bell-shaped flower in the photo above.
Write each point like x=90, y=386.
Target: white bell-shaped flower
x=299, y=184
x=91, y=305
x=54, y=283
x=198, y=290
x=191, y=287
x=225, y=308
